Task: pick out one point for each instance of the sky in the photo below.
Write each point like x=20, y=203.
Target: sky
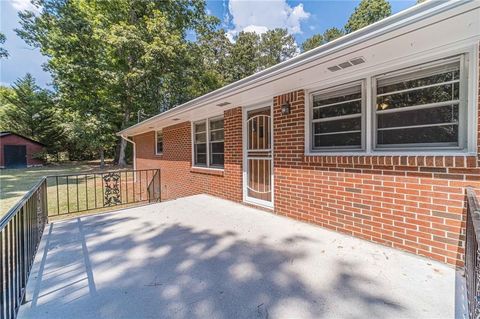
x=302, y=19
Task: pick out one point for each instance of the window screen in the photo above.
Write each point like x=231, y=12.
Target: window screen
x=419, y=108
x=159, y=143
x=337, y=118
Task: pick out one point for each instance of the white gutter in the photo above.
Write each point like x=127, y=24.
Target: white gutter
x=134, y=150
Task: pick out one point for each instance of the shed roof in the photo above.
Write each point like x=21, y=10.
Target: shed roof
x=7, y=133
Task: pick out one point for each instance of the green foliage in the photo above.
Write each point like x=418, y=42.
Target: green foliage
x=332, y=34
x=6, y=93
x=3, y=51
x=110, y=59
x=314, y=41
x=276, y=46
x=244, y=55
x=252, y=52
x=319, y=39
x=89, y=136
x=366, y=13
x=29, y=111
x=214, y=50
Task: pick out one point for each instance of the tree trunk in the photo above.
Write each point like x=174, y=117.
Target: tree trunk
x=102, y=158
x=123, y=144
x=121, y=158
x=117, y=150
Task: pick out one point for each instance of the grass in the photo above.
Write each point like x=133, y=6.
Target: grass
x=14, y=183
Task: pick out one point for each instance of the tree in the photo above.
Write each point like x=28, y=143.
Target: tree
x=366, y=13
x=214, y=51
x=30, y=111
x=3, y=51
x=6, y=93
x=276, y=46
x=332, y=34
x=244, y=55
x=112, y=59
x=312, y=42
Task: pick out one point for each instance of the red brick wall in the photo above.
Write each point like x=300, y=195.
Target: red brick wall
x=178, y=178
x=414, y=203
x=32, y=148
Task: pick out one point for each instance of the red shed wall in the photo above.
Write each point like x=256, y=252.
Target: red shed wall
x=32, y=148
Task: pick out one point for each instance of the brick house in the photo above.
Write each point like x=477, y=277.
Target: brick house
x=374, y=134
x=18, y=151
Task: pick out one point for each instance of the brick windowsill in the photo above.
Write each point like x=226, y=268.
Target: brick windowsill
x=466, y=161
x=207, y=171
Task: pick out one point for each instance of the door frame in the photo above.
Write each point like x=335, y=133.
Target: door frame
x=246, y=199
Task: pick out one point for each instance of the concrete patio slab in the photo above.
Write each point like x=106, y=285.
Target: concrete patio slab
x=203, y=257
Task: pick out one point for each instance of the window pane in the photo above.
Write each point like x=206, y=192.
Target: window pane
x=201, y=148
x=338, y=126
x=338, y=110
x=342, y=95
x=216, y=135
x=340, y=139
x=159, y=146
x=216, y=160
x=216, y=124
x=216, y=147
x=201, y=159
x=339, y=104
x=442, y=93
x=441, y=74
x=200, y=127
x=201, y=154
x=201, y=137
x=437, y=91
x=436, y=115
x=432, y=134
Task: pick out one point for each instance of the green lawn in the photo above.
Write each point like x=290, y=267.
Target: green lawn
x=14, y=183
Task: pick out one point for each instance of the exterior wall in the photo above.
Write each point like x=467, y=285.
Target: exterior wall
x=178, y=178
x=32, y=148
x=414, y=203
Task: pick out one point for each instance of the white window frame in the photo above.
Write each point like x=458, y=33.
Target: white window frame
x=207, y=142
x=362, y=118
x=469, y=87
x=156, y=142
x=462, y=108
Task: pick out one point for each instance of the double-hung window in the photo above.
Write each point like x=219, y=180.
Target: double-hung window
x=208, y=148
x=158, y=142
x=337, y=118
x=420, y=107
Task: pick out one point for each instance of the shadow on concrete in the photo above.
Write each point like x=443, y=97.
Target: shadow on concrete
x=160, y=270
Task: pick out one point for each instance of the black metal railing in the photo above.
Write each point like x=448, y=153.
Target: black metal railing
x=154, y=189
x=20, y=233
x=84, y=192
x=472, y=256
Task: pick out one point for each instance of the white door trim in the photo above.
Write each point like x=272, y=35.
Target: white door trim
x=246, y=198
